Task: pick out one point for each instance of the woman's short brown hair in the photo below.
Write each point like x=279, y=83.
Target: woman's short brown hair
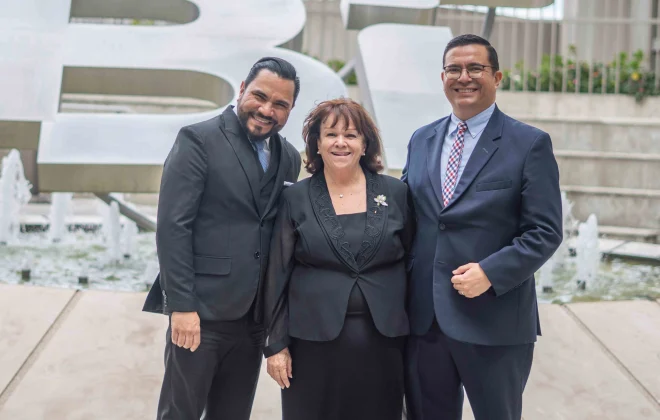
x=348, y=111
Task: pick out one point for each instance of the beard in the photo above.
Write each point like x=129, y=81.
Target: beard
x=253, y=135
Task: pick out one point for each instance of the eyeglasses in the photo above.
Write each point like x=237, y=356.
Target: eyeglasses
x=474, y=71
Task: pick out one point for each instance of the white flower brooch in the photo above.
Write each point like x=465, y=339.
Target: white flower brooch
x=381, y=200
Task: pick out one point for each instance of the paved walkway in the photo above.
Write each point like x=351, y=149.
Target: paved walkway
x=93, y=355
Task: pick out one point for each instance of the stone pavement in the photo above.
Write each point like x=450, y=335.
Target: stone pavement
x=68, y=354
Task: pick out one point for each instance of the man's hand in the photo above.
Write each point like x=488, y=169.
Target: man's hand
x=279, y=368
x=470, y=280
x=186, y=330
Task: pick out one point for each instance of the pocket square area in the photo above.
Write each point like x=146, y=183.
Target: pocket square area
x=494, y=185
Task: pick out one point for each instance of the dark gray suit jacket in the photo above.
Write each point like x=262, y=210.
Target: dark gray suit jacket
x=215, y=218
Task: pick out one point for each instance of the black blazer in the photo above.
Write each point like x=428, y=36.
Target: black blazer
x=214, y=224
x=311, y=271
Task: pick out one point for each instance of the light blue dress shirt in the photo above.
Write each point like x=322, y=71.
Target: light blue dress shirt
x=476, y=126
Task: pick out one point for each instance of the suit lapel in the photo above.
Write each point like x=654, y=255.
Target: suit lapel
x=433, y=155
x=283, y=166
x=483, y=151
x=244, y=152
x=327, y=218
x=376, y=218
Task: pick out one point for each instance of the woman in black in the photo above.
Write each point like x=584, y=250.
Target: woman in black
x=336, y=281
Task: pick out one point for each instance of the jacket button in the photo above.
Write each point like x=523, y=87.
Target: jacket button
x=354, y=275
x=442, y=226
x=257, y=255
x=262, y=224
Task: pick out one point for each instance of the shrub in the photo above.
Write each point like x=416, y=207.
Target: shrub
x=633, y=78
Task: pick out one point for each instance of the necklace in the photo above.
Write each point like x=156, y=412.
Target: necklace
x=350, y=186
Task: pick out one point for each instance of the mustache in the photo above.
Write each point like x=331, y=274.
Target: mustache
x=263, y=117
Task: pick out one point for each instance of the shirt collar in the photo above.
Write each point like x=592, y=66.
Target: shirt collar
x=476, y=124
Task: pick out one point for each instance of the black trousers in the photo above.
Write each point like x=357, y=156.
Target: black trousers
x=219, y=379
x=438, y=368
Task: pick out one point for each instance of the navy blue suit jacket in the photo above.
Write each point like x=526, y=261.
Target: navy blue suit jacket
x=505, y=214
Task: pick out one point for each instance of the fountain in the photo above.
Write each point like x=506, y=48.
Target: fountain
x=569, y=225
x=26, y=267
x=118, y=256
x=119, y=235
x=150, y=272
x=546, y=273
x=111, y=230
x=105, y=253
x=588, y=255
x=577, y=272
x=59, y=211
x=14, y=194
x=128, y=232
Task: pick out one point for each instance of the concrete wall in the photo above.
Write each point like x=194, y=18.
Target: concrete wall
x=576, y=106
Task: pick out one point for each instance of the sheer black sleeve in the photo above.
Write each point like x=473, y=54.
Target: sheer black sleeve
x=280, y=266
x=409, y=223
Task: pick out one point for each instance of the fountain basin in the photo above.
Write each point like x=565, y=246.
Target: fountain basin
x=615, y=279
x=83, y=253
x=80, y=254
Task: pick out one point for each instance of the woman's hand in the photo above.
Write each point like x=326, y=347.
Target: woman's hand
x=279, y=368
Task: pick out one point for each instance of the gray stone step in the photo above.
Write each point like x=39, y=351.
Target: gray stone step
x=642, y=252
x=625, y=207
x=623, y=234
x=629, y=233
x=627, y=135
x=573, y=105
x=609, y=169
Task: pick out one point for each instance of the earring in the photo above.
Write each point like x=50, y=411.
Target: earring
x=318, y=153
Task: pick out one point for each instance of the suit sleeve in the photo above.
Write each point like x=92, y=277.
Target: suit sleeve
x=181, y=189
x=540, y=222
x=280, y=267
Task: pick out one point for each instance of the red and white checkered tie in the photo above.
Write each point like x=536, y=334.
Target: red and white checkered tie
x=451, y=176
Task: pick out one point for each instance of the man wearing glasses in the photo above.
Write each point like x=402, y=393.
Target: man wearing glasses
x=488, y=207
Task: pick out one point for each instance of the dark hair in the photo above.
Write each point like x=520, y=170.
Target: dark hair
x=348, y=111
x=280, y=67
x=470, y=39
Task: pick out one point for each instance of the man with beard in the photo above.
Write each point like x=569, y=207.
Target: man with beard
x=218, y=199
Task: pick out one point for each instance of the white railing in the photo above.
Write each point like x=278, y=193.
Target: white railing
x=580, y=46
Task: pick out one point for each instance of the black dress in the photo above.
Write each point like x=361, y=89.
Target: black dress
x=358, y=375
